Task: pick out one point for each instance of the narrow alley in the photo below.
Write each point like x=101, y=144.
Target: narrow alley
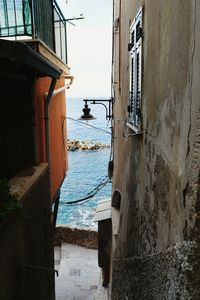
x=100, y=150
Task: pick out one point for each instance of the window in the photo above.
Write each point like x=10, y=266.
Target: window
x=135, y=74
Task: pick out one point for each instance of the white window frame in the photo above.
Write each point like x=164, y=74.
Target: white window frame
x=135, y=74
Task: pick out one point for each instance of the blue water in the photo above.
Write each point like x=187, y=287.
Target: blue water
x=86, y=168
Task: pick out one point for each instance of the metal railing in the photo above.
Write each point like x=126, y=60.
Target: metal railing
x=29, y=19
x=60, y=31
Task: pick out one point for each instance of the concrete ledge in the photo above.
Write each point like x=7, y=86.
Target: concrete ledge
x=76, y=236
x=26, y=179
x=44, y=50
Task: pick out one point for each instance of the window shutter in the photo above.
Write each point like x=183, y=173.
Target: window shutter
x=135, y=49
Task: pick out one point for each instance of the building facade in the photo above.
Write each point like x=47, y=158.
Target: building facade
x=156, y=139
x=33, y=78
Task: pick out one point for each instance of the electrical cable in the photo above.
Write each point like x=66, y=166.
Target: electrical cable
x=104, y=181
x=85, y=124
x=90, y=195
x=107, y=124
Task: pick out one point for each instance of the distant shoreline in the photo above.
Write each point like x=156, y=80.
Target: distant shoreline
x=73, y=145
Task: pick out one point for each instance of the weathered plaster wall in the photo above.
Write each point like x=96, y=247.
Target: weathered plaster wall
x=26, y=239
x=157, y=172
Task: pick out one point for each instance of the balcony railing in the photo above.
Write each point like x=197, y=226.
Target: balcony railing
x=29, y=19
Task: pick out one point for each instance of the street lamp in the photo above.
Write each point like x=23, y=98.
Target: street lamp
x=86, y=110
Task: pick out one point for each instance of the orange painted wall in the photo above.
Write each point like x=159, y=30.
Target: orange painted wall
x=57, y=130
x=58, y=140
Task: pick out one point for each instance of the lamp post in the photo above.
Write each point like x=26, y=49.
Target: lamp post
x=86, y=110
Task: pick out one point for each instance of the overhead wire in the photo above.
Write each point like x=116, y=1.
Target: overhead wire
x=102, y=183
x=89, y=125
x=90, y=195
x=106, y=179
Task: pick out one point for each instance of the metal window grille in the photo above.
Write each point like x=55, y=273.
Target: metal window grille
x=60, y=32
x=135, y=48
x=43, y=22
x=41, y=19
x=15, y=18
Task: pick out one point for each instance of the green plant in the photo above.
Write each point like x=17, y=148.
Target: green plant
x=8, y=201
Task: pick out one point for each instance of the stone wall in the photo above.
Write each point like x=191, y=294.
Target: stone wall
x=158, y=276
x=78, y=236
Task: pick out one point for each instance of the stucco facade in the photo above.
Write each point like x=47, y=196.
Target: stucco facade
x=33, y=152
x=57, y=129
x=156, y=170
x=34, y=162
x=27, y=265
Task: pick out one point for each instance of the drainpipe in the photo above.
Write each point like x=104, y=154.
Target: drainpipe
x=56, y=205
x=47, y=103
x=48, y=97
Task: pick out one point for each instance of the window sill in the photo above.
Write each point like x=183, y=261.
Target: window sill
x=133, y=128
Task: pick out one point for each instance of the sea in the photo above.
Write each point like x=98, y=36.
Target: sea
x=87, y=168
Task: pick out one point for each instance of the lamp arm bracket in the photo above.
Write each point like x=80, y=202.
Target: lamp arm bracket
x=99, y=101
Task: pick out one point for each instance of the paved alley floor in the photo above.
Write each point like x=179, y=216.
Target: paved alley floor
x=79, y=274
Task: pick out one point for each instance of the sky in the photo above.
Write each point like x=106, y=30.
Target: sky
x=89, y=46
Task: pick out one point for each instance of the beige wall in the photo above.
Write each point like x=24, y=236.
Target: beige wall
x=157, y=172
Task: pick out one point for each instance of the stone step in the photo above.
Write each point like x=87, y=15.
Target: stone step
x=57, y=258
x=102, y=293
x=79, y=273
